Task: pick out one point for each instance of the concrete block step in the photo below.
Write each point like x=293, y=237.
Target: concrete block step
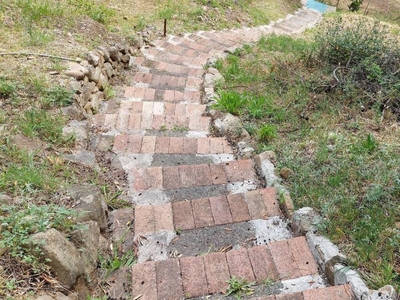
x=189, y=277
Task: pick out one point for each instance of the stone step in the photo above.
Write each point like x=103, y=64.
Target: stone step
x=187, y=277
x=189, y=61
x=164, y=93
x=137, y=122
x=138, y=144
x=207, y=212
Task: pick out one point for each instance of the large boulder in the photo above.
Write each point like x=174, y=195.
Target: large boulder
x=62, y=255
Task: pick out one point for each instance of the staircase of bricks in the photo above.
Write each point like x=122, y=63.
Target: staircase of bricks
x=202, y=216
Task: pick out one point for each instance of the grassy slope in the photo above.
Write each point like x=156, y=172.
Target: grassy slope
x=343, y=151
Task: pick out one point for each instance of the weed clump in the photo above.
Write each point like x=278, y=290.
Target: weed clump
x=363, y=60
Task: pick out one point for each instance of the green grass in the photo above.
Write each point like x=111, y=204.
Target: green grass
x=344, y=156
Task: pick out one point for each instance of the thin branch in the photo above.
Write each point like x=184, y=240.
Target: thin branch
x=38, y=54
x=335, y=76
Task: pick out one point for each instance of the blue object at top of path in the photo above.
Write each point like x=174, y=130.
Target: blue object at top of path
x=321, y=7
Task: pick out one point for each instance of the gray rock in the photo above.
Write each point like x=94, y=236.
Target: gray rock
x=136, y=41
x=94, y=74
x=304, y=220
x=103, y=82
x=93, y=58
x=87, y=241
x=212, y=77
x=62, y=254
x=84, y=157
x=108, y=69
x=89, y=201
x=227, y=123
x=75, y=85
x=245, y=150
x=80, y=130
x=245, y=136
x=104, y=53
x=345, y=275
x=266, y=167
x=115, y=55
x=75, y=70
x=125, y=58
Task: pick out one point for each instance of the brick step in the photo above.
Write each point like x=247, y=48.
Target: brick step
x=163, y=184
x=162, y=93
x=207, y=212
x=163, y=81
x=186, y=176
x=160, y=67
x=158, y=108
x=134, y=122
x=189, y=61
x=170, y=145
x=195, y=276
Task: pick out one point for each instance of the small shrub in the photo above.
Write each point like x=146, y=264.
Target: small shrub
x=7, y=88
x=355, y=5
x=18, y=223
x=46, y=126
x=230, y=101
x=267, y=132
x=57, y=96
x=239, y=287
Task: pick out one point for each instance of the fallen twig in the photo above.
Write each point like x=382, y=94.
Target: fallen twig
x=38, y=54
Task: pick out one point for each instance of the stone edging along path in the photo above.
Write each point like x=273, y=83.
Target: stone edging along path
x=201, y=216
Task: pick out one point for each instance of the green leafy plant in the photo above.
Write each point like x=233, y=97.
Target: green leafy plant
x=355, y=5
x=239, y=287
x=47, y=126
x=57, y=96
x=267, y=132
x=7, y=88
x=230, y=101
x=18, y=223
x=117, y=259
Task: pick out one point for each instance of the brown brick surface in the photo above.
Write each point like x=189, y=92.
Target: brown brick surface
x=216, y=145
x=154, y=177
x=187, y=176
x=169, y=283
x=162, y=144
x=120, y=143
x=239, y=264
x=148, y=144
x=134, y=143
x=202, y=213
x=217, y=272
x=163, y=219
x=203, y=145
x=171, y=177
x=233, y=171
x=271, y=202
x=293, y=296
x=190, y=146
x=203, y=175
x=247, y=169
x=256, y=205
x=238, y=206
x=341, y=292
x=220, y=210
x=262, y=263
x=176, y=145
x=303, y=256
x=194, y=278
x=284, y=260
x=144, y=280
x=144, y=219
x=183, y=215
x=218, y=175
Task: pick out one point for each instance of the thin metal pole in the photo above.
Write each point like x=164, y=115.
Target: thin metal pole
x=165, y=27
